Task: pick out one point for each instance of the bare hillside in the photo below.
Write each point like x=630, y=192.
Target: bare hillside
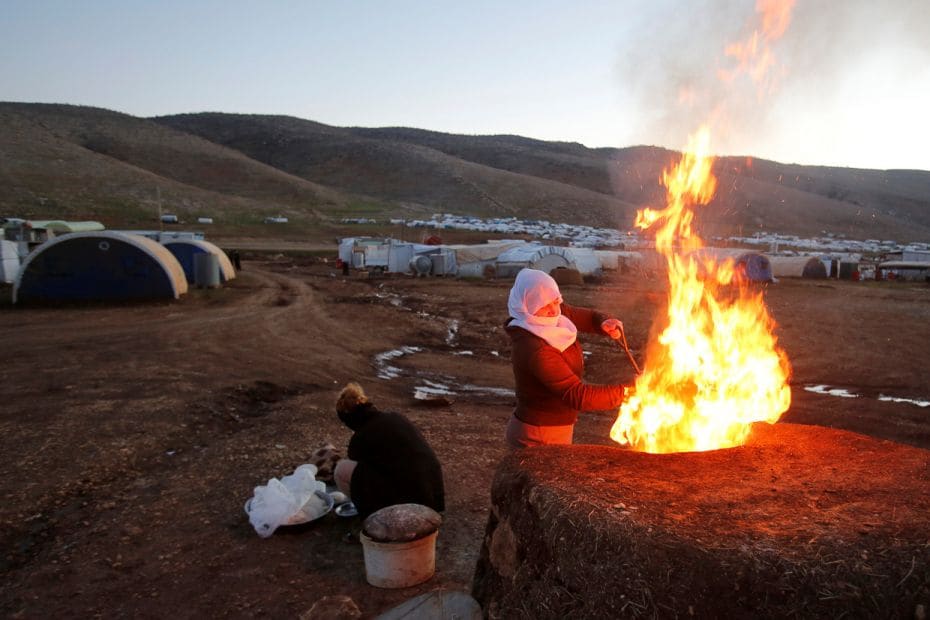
x=69, y=161
x=79, y=162
x=404, y=172
x=753, y=194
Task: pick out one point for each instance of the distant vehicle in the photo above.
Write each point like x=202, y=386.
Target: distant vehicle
x=204, y=220
x=169, y=219
x=276, y=220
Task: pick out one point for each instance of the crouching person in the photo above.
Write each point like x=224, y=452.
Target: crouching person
x=389, y=461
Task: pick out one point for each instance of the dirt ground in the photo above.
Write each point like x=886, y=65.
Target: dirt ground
x=133, y=434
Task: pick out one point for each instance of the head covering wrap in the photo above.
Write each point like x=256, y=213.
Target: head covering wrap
x=532, y=290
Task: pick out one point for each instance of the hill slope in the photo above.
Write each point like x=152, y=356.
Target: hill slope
x=752, y=195
x=67, y=161
x=86, y=163
x=416, y=175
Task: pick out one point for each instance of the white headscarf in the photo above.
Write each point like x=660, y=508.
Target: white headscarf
x=531, y=291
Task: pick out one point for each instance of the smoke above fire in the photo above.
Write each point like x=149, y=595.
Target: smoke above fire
x=676, y=75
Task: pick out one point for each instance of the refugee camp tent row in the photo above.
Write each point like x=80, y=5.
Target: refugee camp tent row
x=104, y=265
x=186, y=251
x=393, y=256
x=500, y=258
x=505, y=259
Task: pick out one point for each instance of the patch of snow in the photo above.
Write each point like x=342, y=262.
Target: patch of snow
x=477, y=389
x=895, y=399
x=385, y=370
x=431, y=390
x=827, y=390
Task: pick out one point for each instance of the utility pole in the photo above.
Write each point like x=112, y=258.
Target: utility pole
x=161, y=224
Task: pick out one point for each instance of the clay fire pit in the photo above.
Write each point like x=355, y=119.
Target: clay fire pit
x=803, y=521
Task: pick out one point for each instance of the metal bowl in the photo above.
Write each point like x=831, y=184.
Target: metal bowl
x=300, y=517
x=347, y=509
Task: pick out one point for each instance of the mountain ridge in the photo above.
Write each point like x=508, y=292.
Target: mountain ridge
x=244, y=167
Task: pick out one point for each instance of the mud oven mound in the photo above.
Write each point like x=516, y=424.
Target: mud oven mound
x=803, y=521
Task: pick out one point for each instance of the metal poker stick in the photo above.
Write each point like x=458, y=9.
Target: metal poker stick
x=622, y=342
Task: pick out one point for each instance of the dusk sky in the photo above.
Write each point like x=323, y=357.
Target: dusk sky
x=848, y=83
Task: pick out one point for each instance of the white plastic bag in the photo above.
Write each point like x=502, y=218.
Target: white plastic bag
x=271, y=506
x=302, y=483
x=286, y=501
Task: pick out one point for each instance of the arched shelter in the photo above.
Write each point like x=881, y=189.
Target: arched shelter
x=797, y=267
x=753, y=265
x=104, y=265
x=184, y=251
x=541, y=257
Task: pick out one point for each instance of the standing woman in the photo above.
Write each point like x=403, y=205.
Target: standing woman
x=548, y=364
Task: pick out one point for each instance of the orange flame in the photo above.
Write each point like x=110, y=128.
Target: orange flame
x=713, y=367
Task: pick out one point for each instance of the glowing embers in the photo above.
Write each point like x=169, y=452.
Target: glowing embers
x=712, y=364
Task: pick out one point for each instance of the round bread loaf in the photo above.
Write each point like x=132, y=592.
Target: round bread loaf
x=401, y=523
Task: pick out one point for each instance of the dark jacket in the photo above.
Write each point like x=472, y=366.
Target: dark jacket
x=395, y=463
x=549, y=385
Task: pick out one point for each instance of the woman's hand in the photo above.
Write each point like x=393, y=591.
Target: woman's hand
x=613, y=328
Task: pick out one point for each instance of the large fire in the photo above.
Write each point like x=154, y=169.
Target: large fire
x=713, y=366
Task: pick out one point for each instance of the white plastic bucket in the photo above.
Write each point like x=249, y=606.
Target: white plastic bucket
x=399, y=564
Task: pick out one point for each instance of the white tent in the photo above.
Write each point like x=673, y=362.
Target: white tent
x=609, y=260
x=797, y=267
x=754, y=266
x=185, y=249
x=444, y=263
x=104, y=265
x=905, y=270
x=345, y=249
x=473, y=260
x=585, y=261
x=399, y=256
x=541, y=257
x=9, y=261
x=613, y=260
x=482, y=251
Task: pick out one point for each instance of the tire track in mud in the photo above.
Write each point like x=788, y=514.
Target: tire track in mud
x=145, y=377
x=287, y=331
x=277, y=323
x=140, y=369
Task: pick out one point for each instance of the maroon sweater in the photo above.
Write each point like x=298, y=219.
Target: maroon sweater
x=550, y=390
